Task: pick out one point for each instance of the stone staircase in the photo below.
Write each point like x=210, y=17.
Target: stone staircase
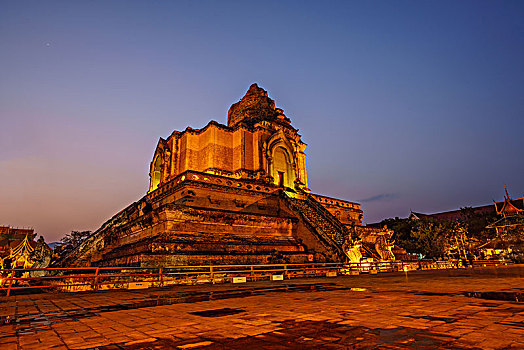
x=328, y=229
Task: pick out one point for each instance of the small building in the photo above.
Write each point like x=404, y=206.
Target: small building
x=509, y=207
x=507, y=241
x=504, y=237
x=16, y=245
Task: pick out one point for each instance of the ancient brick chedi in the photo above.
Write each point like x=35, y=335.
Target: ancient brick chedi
x=258, y=143
x=223, y=194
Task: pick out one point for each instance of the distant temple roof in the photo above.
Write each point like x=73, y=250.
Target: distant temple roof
x=16, y=243
x=509, y=206
x=452, y=214
x=254, y=107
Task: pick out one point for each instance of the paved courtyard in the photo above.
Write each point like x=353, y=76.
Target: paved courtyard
x=453, y=309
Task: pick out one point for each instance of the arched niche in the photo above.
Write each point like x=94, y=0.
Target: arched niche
x=156, y=172
x=282, y=167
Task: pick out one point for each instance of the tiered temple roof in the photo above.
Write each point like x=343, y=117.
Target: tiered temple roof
x=16, y=244
x=509, y=206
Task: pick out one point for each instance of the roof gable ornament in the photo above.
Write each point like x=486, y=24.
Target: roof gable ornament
x=509, y=206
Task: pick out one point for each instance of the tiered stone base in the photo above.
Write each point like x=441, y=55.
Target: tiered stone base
x=203, y=219
x=182, y=235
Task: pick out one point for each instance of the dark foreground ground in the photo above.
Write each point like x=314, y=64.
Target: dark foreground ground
x=454, y=309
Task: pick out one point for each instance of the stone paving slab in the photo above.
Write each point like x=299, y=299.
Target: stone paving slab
x=454, y=309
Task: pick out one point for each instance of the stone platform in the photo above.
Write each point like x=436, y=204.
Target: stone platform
x=443, y=309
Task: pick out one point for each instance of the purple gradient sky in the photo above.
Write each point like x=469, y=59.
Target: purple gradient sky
x=404, y=105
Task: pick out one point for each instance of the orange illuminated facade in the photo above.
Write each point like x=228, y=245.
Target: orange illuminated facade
x=257, y=144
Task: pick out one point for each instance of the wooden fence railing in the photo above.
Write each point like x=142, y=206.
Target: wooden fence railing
x=99, y=278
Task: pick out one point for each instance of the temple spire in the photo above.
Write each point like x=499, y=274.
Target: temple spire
x=506, y=190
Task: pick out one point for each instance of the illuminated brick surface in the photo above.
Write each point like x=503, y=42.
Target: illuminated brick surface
x=423, y=310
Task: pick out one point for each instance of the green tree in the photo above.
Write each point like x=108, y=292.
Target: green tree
x=430, y=238
x=72, y=240
x=402, y=233
x=477, y=221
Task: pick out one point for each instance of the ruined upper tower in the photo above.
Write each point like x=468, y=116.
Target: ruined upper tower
x=254, y=107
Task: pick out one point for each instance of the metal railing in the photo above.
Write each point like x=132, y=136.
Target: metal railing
x=101, y=278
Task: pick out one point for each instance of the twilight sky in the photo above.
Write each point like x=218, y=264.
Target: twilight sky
x=403, y=104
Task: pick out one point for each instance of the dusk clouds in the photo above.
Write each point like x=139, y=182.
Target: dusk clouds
x=380, y=197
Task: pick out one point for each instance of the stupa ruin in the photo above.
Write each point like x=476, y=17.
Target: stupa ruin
x=228, y=194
